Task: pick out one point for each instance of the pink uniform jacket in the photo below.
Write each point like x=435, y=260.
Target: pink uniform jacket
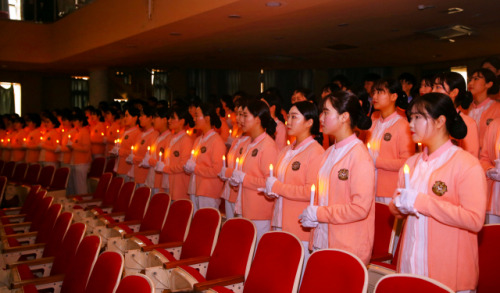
x=49, y=144
x=396, y=146
x=454, y=218
x=179, y=153
x=254, y=204
x=127, y=140
x=160, y=145
x=489, y=153
x=487, y=116
x=18, y=152
x=208, y=160
x=470, y=142
x=140, y=149
x=32, y=150
x=97, y=134
x=81, y=153
x=300, y=175
x=281, y=134
x=350, y=213
x=233, y=153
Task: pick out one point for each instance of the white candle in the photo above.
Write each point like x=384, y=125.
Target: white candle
x=149, y=150
x=237, y=163
x=132, y=150
x=313, y=191
x=406, y=171
x=224, y=160
x=287, y=142
x=160, y=155
x=192, y=153
x=271, y=170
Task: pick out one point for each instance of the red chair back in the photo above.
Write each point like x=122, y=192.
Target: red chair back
x=96, y=168
x=32, y=174
x=40, y=211
x=489, y=258
x=8, y=169
x=106, y=273
x=113, y=191
x=333, y=270
x=234, y=250
x=384, y=233
x=202, y=234
x=30, y=199
x=78, y=273
x=409, y=284
x=2, y=163
x=136, y=284
x=156, y=213
x=19, y=172
x=3, y=183
x=102, y=186
x=110, y=165
x=138, y=203
x=60, y=180
x=122, y=201
x=178, y=221
x=46, y=175
x=56, y=237
x=65, y=255
x=277, y=264
x=47, y=223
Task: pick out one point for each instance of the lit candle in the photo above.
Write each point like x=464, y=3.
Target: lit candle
x=69, y=136
x=62, y=130
x=419, y=147
x=313, y=190
x=102, y=133
x=57, y=141
x=1, y=140
x=237, y=163
x=149, y=150
x=271, y=170
x=118, y=131
x=8, y=139
x=24, y=139
x=228, y=115
x=287, y=142
x=132, y=150
x=160, y=155
x=406, y=170
x=224, y=160
x=230, y=132
x=192, y=154
x=41, y=137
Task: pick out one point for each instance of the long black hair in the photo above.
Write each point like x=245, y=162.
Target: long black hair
x=210, y=111
x=455, y=81
x=344, y=101
x=260, y=109
x=309, y=111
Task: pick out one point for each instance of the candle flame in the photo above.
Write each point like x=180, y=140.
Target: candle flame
x=24, y=139
x=419, y=144
x=228, y=115
x=41, y=137
x=149, y=148
x=57, y=141
x=132, y=148
x=62, y=130
x=368, y=145
x=118, y=131
x=313, y=188
x=69, y=136
x=8, y=139
x=270, y=167
x=223, y=157
x=237, y=160
x=102, y=133
x=1, y=140
x=161, y=154
x=288, y=142
x=406, y=169
x=192, y=152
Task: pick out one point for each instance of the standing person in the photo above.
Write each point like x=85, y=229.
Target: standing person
x=240, y=142
x=296, y=172
x=273, y=102
x=490, y=161
x=177, y=152
x=67, y=131
x=254, y=164
x=81, y=155
x=344, y=216
x=33, y=122
x=483, y=109
x=426, y=85
x=206, y=161
x=389, y=138
x=20, y=135
x=443, y=199
x=142, y=143
x=113, y=128
x=453, y=85
x=50, y=143
x=127, y=141
x=157, y=181
x=97, y=133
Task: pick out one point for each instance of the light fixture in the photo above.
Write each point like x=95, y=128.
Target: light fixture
x=454, y=10
x=273, y=4
x=451, y=40
x=424, y=7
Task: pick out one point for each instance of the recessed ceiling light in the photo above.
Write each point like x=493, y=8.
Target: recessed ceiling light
x=454, y=10
x=235, y=16
x=451, y=40
x=273, y=4
x=424, y=7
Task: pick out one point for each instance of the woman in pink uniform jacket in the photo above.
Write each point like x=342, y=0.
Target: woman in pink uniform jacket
x=239, y=143
x=296, y=171
x=33, y=122
x=97, y=133
x=389, y=138
x=51, y=142
x=127, y=140
x=253, y=167
x=20, y=136
x=483, y=110
x=81, y=155
x=205, y=162
x=273, y=102
x=490, y=161
x=177, y=152
x=344, y=214
x=453, y=85
x=443, y=198
x=144, y=141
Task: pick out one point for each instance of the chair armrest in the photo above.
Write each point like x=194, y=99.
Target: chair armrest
x=202, y=286
x=117, y=214
x=14, y=216
x=144, y=233
x=20, y=235
x=89, y=201
x=23, y=248
x=381, y=258
x=38, y=281
x=161, y=245
x=11, y=210
x=186, y=262
x=18, y=225
x=39, y=261
x=127, y=223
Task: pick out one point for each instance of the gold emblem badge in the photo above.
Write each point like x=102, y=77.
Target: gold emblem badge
x=76, y=141
x=126, y=136
x=95, y=131
x=241, y=151
x=31, y=137
x=387, y=136
x=143, y=141
x=162, y=150
x=176, y=153
x=254, y=152
x=488, y=121
x=295, y=165
x=48, y=138
x=439, y=188
x=343, y=174
x=203, y=150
